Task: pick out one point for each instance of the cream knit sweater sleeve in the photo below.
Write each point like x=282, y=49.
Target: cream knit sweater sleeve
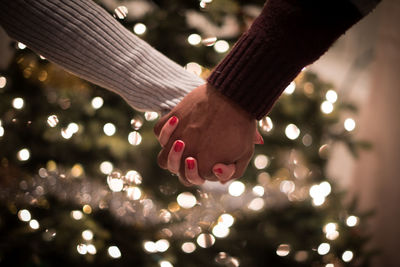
x=85, y=40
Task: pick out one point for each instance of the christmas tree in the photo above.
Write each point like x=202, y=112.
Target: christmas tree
x=80, y=185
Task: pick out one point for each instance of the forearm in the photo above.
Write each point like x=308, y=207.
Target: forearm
x=288, y=35
x=84, y=39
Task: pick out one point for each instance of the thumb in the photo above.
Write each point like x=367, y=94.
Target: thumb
x=224, y=172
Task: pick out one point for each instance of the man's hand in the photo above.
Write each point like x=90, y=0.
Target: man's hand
x=214, y=130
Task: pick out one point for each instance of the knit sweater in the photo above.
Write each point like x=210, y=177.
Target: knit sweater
x=287, y=36
x=84, y=39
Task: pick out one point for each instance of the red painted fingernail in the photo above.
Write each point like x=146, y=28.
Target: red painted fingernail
x=173, y=120
x=190, y=164
x=218, y=171
x=261, y=140
x=178, y=146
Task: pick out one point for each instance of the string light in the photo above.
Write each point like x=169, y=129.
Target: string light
x=256, y=204
x=261, y=161
x=18, y=103
x=188, y=247
x=121, y=12
x=91, y=249
x=24, y=215
x=220, y=231
x=283, y=250
x=290, y=88
x=139, y=28
x=23, y=154
x=162, y=245
x=3, y=82
x=150, y=115
x=349, y=124
x=194, y=68
x=236, y=188
x=106, y=167
x=205, y=240
x=194, y=39
x=258, y=190
x=150, y=246
x=109, y=129
x=114, y=252
x=52, y=121
x=134, y=138
x=221, y=46
x=186, y=200
x=34, y=224
x=323, y=249
x=326, y=107
x=331, y=96
x=292, y=131
x=165, y=263
x=347, y=256
x=97, y=102
x=76, y=215
x=87, y=235
x=81, y=248
x=352, y=221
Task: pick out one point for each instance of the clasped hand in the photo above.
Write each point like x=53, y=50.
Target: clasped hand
x=206, y=137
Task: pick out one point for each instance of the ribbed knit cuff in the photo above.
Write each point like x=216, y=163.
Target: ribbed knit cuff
x=288, y=35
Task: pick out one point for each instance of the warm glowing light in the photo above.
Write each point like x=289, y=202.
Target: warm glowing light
x=106, y=167
x=87, y=209
x=77, y=214
x=162, y=245
x=194, y=39
x=290, y=88
x=205, y=240
x=134, y=138
x=209, y=41
x=319, y=192
x=283, y=250
x=34, y=224
x=18, y=103
x=194, y=68
x=77, y=170
x=114, y=252
x=3, y=82
x=347, y=256
x=150, y=246
x=109, y=129
x=258, y=190
x=326, y=107
x=91, y=249
x=221, y=46
x=236, y=188
x=186, y=200
x=226, y=220
x=1, y=131
x=333, y=235
x=97, y=102
x=150, y=115
x=256, y=204
x=115, y=184
x=52, y=121
x=73, y=127
x=136, y=123
x=121, y=12
x=21, y=46
x=23, y=154
x=266, y=124
x=82, y=249
x=292, y=131
x=349, y=124
x=139, y=28
x=331, y=96
x=87, y=235
x=134, y=193
x=352, y=221
x=220, y=231
x=165, y=264
x=261, y=161
x=188, y=247
x=330, y=265
x=330, y=227
x=318, y=201
x=287, y=187
x=133, y=177
x=323, y=249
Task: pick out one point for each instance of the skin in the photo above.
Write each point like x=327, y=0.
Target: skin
x=212, y=129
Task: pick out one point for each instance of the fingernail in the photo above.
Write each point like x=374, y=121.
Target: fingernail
x=218, y=171
x=190, y=164
x=178, y=146
x=173, y=120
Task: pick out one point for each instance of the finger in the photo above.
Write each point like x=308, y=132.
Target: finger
x=258, y=139
x=174, y=156
x=191, y=171
x=241, y=164
x=167, y=130
x=160, y=124
x=162, y=158
x=224, y=172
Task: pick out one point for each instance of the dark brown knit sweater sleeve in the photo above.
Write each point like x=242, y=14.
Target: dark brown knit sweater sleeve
x=288, y=35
